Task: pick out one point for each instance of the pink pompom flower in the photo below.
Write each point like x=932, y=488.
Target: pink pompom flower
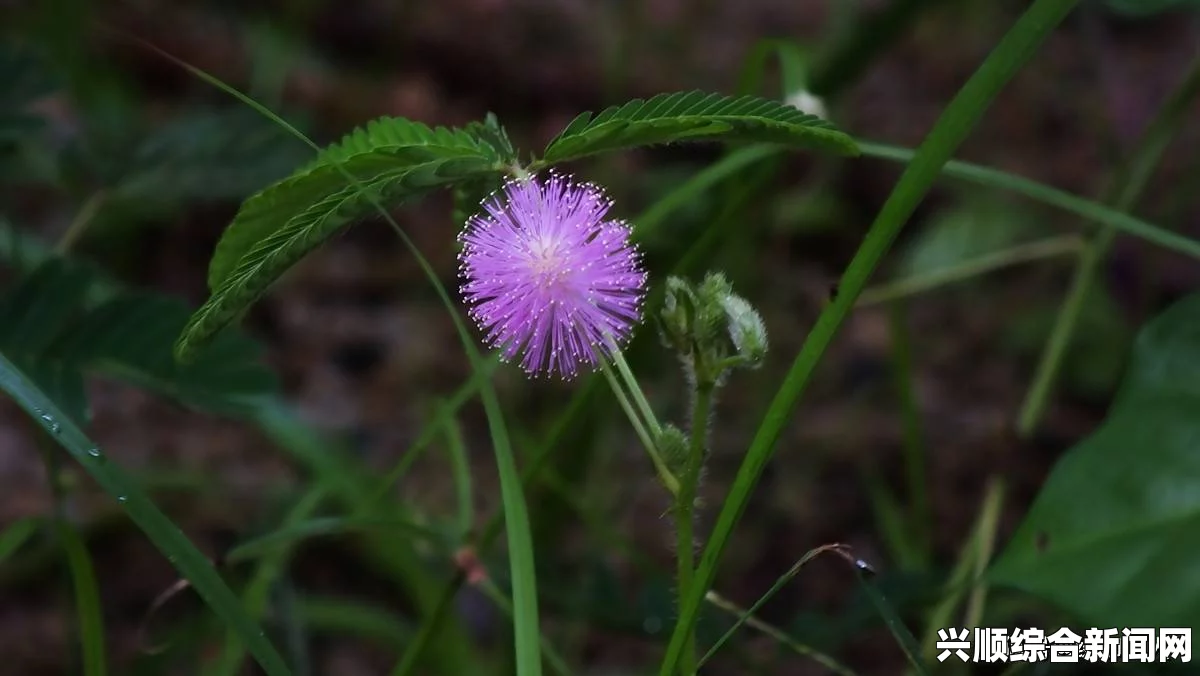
x=547, y=277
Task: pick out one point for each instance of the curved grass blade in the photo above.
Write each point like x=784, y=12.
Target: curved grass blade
x=703, y=180
x=312, y=528
x=1093, y=211
x=165, y=535
x=745, y=616
x=1128, y=184
x=87, y=599
x=265, y=575
x=959, y=117
x=17, y=534
x=693, y=116
x=904, y=637
x=354, y=620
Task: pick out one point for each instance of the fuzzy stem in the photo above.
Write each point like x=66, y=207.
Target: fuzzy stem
x=685, y=505
x=664, y=474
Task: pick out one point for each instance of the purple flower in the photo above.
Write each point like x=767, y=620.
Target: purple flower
x=547, y=276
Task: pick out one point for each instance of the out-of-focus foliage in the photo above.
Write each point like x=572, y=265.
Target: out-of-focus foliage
x=1109, y=538
x=64, y=320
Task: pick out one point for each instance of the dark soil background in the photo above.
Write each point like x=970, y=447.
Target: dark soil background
x=365, y=351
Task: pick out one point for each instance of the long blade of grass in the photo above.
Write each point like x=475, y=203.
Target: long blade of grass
x=16, y=535
x=1092, y=211
x=904, y=638
x=556, y=661
x=1028, y=252
x=747, y=615
x=355, y=620
x=1128, y=184
x=966, y=576
x=258, y=589
x=87, y=599
x=441, y=417
x=520, y=538
x=745, y=618
x=305, y=530
x=956, y=121
x=165, y=535
x=461, y=471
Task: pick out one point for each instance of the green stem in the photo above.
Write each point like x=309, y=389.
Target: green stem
x=87, y=213
x=664, y=473
x=952, y=127
x=974, y=267
x=919, y=514
x=636, y=391
x=989, y=523
x=685, y=507
x=1126, y=188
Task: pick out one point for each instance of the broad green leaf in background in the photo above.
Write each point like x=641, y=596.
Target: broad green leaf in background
x=966, y=232
x=693, y=116
x=56, y=329
x=1111, y=537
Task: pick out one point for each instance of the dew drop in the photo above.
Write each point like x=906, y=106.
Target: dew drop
x=95, y=452
x=50, y=422
x=122, y=498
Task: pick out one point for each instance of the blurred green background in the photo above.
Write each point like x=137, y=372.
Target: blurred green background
x=138, y=165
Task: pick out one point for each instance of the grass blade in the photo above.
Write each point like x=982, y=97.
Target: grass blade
x=258, y=589
x=87, y=599
x=461, y=469
x=900, y=631
x=1092, y=211
x=959, y=117
x=17, y=533
x=746, y=616
x=165, y=535
x=304, y=530
x=1127, y=186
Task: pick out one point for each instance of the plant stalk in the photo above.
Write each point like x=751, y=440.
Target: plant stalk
x=685, y=507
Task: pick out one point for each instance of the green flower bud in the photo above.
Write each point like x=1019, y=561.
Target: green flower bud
x=672, y=446
x=746, y=330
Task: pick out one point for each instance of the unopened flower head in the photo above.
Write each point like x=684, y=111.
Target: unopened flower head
x=549, y=278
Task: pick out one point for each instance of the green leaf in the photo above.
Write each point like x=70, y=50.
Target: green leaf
x=87, y=599
x=391, y=161
x=694, y=116
x=1109, y=536
x=271, y=256
x=951, y=129
x=53, y=325
x=386, y=150
x=15, y=535
x=964, y=233
x=165, y=535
